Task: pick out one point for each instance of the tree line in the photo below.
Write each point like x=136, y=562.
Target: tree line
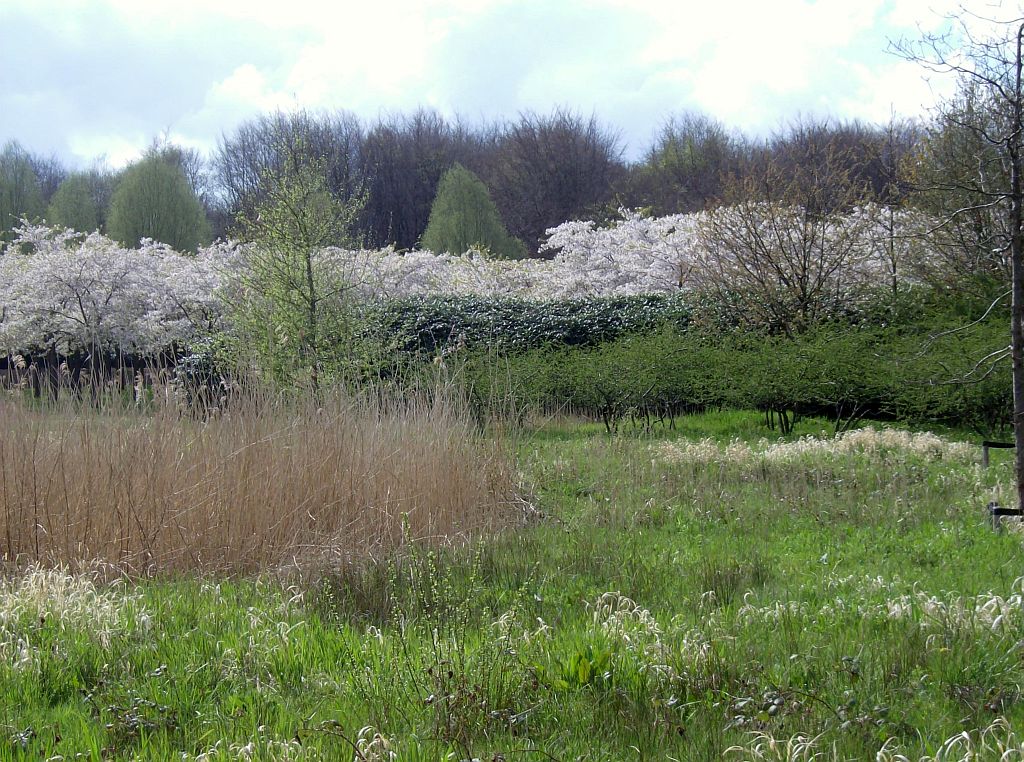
x=538, y=171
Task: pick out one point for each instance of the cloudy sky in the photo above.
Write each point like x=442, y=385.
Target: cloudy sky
x=84, y=78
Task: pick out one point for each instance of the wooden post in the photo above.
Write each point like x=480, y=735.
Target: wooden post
x=997, y=512
x=988, y=444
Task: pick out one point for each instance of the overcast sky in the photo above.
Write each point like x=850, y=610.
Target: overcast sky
x=84, y=78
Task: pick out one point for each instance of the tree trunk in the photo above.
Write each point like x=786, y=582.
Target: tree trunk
x=1017, y=273
x=312, y=317
x=1017, y=355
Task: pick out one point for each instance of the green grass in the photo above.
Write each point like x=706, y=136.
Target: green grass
x=658, y=610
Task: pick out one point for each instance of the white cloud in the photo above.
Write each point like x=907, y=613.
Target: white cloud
x=199, y=67
x=118, y=150
x=244, y=91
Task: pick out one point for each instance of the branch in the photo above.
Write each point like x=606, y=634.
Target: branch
x=936, y=336
x=996, y=357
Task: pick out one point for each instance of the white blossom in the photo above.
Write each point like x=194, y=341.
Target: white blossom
x=72, y=292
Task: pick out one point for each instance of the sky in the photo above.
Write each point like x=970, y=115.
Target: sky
x=84, y=79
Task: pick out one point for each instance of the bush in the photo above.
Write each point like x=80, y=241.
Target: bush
x=433, y=325
x=841, y=372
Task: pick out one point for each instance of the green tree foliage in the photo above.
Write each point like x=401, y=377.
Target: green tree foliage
x=684, y=169
x=153, y=200
x=73, y=205
x=295, y=312
x=20, y=194
x=464, y=216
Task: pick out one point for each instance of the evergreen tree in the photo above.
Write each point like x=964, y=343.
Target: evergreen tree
x=464, y=217
x=153, y=199
x=73, y=206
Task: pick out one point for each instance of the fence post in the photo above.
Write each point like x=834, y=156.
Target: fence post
x=997, y=512
x=988, y=444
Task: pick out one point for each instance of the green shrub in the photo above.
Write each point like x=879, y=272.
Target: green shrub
x=840, y=372
x=432, y=325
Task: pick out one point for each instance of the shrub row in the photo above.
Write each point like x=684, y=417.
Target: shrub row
x=841, y=371
x=432, y=325
x=435, y=325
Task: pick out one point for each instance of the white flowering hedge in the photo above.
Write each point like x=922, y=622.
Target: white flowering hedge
x=73, y=292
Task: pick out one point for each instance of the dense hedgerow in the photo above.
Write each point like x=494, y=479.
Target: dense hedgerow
x=433, y=325
x=841, y=371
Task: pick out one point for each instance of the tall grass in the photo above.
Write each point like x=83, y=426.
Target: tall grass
x=268, y=481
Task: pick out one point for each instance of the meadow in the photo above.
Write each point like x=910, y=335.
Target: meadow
x=282, y=497
x=550, y=593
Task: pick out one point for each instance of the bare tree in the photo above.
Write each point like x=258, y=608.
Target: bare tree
x=981, y=179
x=784, y=248
x=50, y=172
x=872, y=156
x=896, y=242
x=545, y=170
x=251, y=161
x=404, y=158
x=957, y=166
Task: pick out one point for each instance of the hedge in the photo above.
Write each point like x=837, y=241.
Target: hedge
x=840, y=371
x=432, y=325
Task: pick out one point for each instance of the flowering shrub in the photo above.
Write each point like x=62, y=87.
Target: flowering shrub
x=69, y=291
x=791, y=267
x=439, y=323
x=637, y=255
x=73, y=292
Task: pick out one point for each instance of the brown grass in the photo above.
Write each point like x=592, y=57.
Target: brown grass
x=263, y=484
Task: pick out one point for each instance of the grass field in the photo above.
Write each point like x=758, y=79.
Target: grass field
x=697, y=594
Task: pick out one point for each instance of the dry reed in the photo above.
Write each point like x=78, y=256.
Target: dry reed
x=266, y=482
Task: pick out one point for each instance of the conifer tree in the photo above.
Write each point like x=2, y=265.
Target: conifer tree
x=464, y=217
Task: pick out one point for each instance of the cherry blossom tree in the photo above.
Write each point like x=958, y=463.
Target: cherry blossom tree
x=636, y=255
x=85, y=295
x=71, y=293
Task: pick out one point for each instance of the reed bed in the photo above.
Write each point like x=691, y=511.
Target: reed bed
x=267, y=481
